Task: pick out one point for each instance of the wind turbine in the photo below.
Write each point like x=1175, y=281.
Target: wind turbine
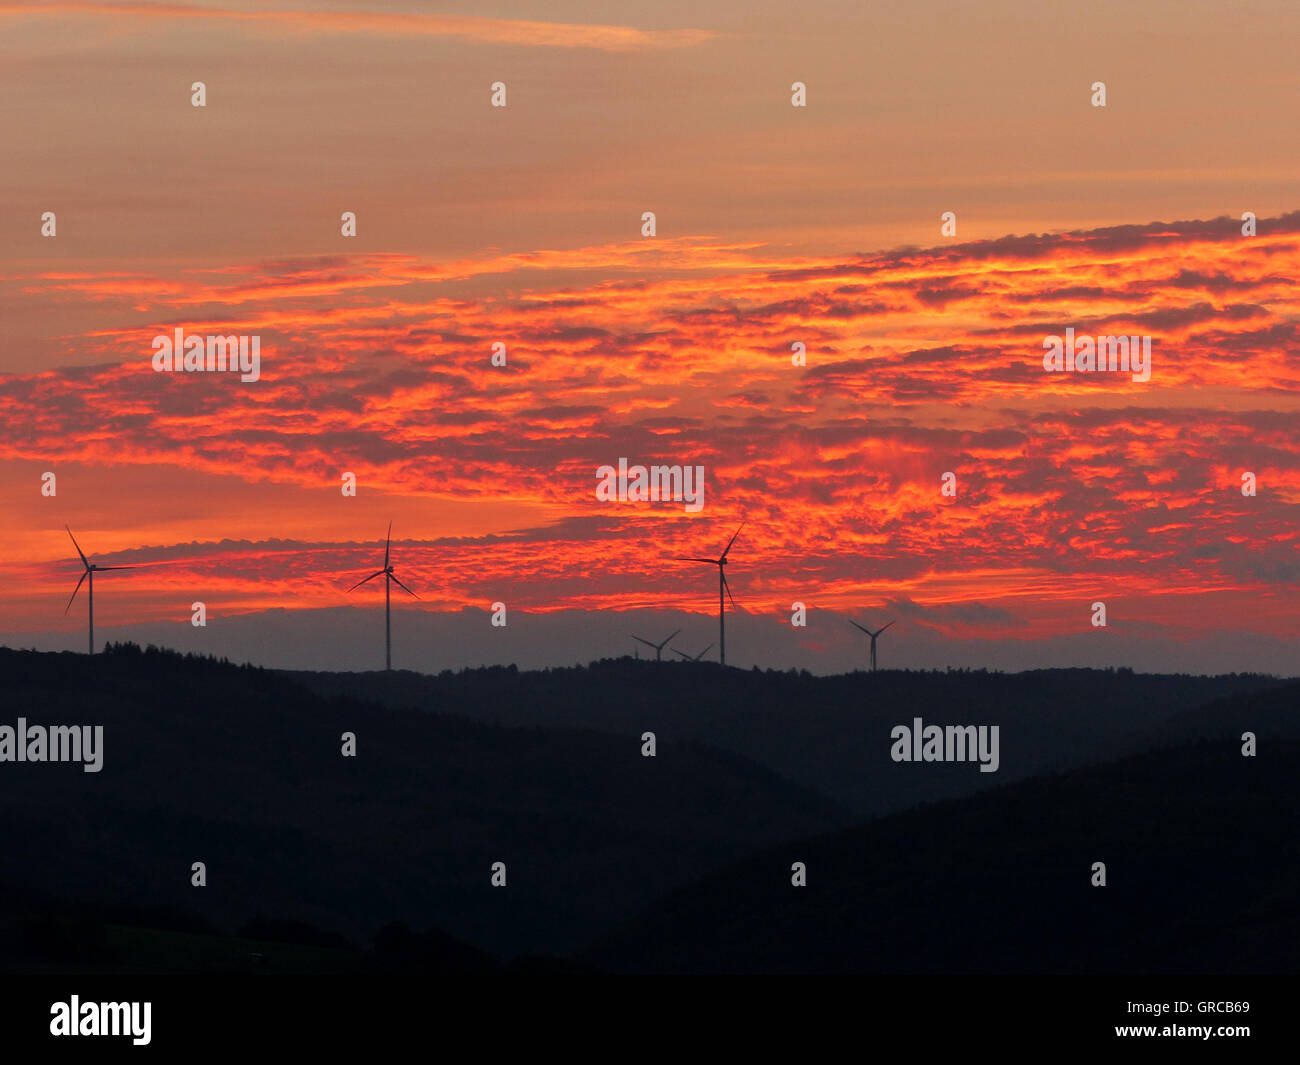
x=873, y=636
x=692, y=658
x=659, y=647
x=90, y=570
x=389, y=580
x=721, y=563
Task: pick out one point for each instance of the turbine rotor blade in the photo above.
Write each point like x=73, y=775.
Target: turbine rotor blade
x=704, y=652
x=75, y=590
x=887, y=626
x=78, y=547
x=100, y=569
x=733, y=539
x=387, y=542
x=857, y=626
x=647, y=642
x=400, y=585
x=677, y=633
x=727, y=585
x=682, y=653
x=377, y=573
x=710, y=561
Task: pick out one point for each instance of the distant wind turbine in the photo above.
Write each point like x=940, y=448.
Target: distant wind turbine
x=873, y=636
x=692, y=658
x=721, y=563
x=389, y=579
x=90, y=570
x=659, y=647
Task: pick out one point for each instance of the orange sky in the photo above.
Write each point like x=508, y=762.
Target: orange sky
x=923, y=357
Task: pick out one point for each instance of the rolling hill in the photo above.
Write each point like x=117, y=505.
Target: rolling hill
x=241, y=769
x=1200, y=846
x=830, y=734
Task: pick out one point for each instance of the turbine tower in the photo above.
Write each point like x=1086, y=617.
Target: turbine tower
x=90, y=570
x=659, y=647
x=692, y=658
x=873, y=636
x=721, y=563
x=389, y=580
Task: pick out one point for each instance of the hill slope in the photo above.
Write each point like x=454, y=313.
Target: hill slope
x=1201, y=855
x=831, y=734
x=241, y=769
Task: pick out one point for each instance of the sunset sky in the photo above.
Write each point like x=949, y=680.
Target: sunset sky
x=775, y=225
